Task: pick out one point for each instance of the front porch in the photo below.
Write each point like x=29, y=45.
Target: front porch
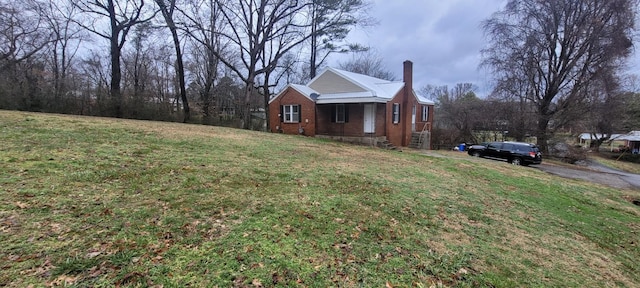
x=360, y=121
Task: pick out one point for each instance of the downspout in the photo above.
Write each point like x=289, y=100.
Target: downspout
x=386, y=122
x=280, y=116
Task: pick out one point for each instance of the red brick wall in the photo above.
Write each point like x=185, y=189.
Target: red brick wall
x=419, y=123
x=381, y=119
x=353, y=128
x=394, y=131
x=400, y=134
x=316, y=119
x=307, y=121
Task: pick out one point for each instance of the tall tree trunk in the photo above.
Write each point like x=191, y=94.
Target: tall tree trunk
x=246, y=107
x=167, y=12
x=314, y=43
x=542, y=133
x=183, y=89
x=266, y=96
x=116, y=76
x=205, y=96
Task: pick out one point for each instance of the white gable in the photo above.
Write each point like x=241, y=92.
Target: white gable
x=330, y=82
x=339, y=86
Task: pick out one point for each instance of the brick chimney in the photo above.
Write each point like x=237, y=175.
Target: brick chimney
x=407, y=75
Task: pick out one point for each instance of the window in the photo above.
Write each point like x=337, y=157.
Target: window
x=396, y=113
x=340, y=113
x=425, y=113
x=494, y=146
x=291, y=113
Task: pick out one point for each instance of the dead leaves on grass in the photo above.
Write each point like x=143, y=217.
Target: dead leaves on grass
x=22, y=205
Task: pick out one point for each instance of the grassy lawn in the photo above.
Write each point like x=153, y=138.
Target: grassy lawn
x=107, y=202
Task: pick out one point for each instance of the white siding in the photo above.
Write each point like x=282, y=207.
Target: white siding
x=330, y=83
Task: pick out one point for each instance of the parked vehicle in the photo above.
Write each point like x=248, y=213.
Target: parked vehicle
x=516, y=153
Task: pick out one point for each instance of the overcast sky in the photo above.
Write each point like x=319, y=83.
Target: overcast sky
x=443, y=38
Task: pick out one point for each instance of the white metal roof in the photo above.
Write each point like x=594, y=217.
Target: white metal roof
x=340, y=86
x=372, y=89
x=631, y=136
x=304, y=90
x=423, y=100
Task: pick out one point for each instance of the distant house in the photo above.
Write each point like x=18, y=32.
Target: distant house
x=585, y=139
x=631, y=140
x=352, y=107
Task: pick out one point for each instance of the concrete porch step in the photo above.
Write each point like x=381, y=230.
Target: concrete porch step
x=415, y=142
x=387, y=145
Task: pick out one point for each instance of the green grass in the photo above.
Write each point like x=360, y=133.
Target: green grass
x=106, y=202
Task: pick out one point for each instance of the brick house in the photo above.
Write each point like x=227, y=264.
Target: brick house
x=356, y=108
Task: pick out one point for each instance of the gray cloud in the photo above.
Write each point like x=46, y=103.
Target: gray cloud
x=442, y=38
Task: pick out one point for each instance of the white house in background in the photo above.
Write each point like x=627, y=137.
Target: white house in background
x=585, y=139
x=630, y=140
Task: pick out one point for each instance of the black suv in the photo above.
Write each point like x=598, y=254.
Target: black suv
x=517, y=153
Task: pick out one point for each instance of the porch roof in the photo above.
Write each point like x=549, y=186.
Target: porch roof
x=354, y=97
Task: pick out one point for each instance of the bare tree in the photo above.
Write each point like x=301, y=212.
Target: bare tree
x=137, y=69
x=122, y=16
x=631, y=89
x=96, y=83
x=163, y=82
x=260, y=29
x=22, y=32
x=604, y=100
x=460, y=110
x=167, y=8
x=367, y=63
x=556, y=48
x=205, y=26
x=23, y=37
x=67, y=40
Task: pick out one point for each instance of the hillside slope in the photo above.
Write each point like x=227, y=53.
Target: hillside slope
x=110, y=202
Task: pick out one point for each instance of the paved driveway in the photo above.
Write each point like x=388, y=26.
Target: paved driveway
x=594, y=172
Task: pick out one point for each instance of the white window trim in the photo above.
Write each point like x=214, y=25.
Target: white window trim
x=293, y=116
x=425, y=113
x=396, y=113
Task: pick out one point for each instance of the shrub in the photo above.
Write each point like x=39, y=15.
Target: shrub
x=567, y=153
